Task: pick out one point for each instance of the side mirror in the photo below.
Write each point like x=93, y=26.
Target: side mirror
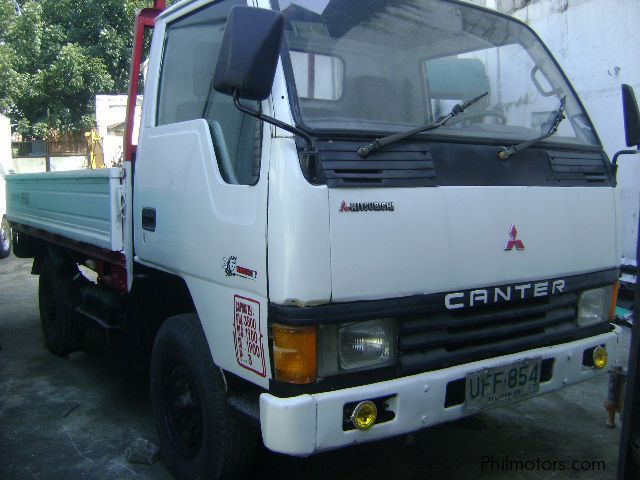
x=249, y=53
x=631, y=117
x=631, y=125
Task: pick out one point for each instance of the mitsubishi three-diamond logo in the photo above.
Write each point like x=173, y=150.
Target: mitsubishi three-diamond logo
x=512, y=241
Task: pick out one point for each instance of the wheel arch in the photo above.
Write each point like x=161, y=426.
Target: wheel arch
x=155, y=296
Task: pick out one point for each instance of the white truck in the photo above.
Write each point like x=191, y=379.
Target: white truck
x=343, y=221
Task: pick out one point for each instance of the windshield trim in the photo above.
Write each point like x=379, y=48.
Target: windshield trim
x=296, y=113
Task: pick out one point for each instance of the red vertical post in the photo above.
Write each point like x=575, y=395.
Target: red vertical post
x=144, y=20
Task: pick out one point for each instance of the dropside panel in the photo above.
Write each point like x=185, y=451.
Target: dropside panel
x=83, y=205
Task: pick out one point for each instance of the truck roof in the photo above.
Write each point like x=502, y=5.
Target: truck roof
x=177, y=6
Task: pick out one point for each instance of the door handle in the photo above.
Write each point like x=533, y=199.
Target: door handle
x=149, y=219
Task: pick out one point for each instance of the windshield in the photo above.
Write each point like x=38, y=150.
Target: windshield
x=392, y=65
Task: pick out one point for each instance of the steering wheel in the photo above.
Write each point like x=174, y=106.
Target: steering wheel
x=468, y=117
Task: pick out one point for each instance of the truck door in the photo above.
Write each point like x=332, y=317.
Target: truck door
x=200, y=189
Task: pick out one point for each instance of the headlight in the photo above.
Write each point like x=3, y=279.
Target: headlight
x=594, y=305
x=366, y=343
x=358, y=345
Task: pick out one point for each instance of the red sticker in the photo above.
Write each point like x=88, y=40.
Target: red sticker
x=247, y=335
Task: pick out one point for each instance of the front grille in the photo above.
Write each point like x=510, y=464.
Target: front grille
x=430, y=341
x=398, y=165
x=418, y=163
x=431, y=337
x=576, y=168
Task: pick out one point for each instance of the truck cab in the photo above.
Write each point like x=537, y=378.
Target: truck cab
x=346, y=221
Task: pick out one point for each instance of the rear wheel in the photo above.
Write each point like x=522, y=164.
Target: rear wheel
x=5, y=238
x=62, y=333
x=200, y=438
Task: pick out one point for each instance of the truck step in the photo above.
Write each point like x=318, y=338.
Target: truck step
x=102, y=307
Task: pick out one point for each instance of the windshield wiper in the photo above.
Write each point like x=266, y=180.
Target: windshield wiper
x=559, y=117
x=379, y=143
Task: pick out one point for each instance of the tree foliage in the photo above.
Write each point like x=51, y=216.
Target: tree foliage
x=56, y=55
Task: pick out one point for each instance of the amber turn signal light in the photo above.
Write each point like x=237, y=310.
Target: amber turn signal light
x=294, y=353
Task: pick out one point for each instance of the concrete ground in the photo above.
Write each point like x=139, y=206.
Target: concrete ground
x=64, y=418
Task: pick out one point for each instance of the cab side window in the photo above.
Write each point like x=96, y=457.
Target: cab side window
x=192, y=46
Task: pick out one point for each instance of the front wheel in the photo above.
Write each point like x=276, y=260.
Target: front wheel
x=200, y=438
x=5, y=239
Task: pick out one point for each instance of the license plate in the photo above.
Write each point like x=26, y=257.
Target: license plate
x=504, y=384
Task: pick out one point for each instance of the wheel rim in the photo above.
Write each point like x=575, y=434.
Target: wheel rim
x=5, y=238
x=182, y=409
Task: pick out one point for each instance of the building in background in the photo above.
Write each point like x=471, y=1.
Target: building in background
x=596, y=42
x=111, y=113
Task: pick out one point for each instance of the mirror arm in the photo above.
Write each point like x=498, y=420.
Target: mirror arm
x=614, y=161
x=311, y=144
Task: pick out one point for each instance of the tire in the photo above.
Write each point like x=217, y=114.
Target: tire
x=56, y=293
x=200, y=437
x=5, y=238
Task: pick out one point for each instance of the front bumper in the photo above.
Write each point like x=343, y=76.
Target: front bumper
x=312, y=423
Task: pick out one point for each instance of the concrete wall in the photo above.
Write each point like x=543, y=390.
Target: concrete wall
x=596, y=43
x=5, y=143
x=5, y=158
x=58, y=164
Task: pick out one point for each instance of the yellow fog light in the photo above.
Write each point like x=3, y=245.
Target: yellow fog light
x=600, y=357
x=364, y=415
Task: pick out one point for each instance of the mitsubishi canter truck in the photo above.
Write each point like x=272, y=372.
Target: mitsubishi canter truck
x=343, y=221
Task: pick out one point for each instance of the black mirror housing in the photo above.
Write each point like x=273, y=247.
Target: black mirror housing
x=631, y=125
x=631, y=116
x=249, y=53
